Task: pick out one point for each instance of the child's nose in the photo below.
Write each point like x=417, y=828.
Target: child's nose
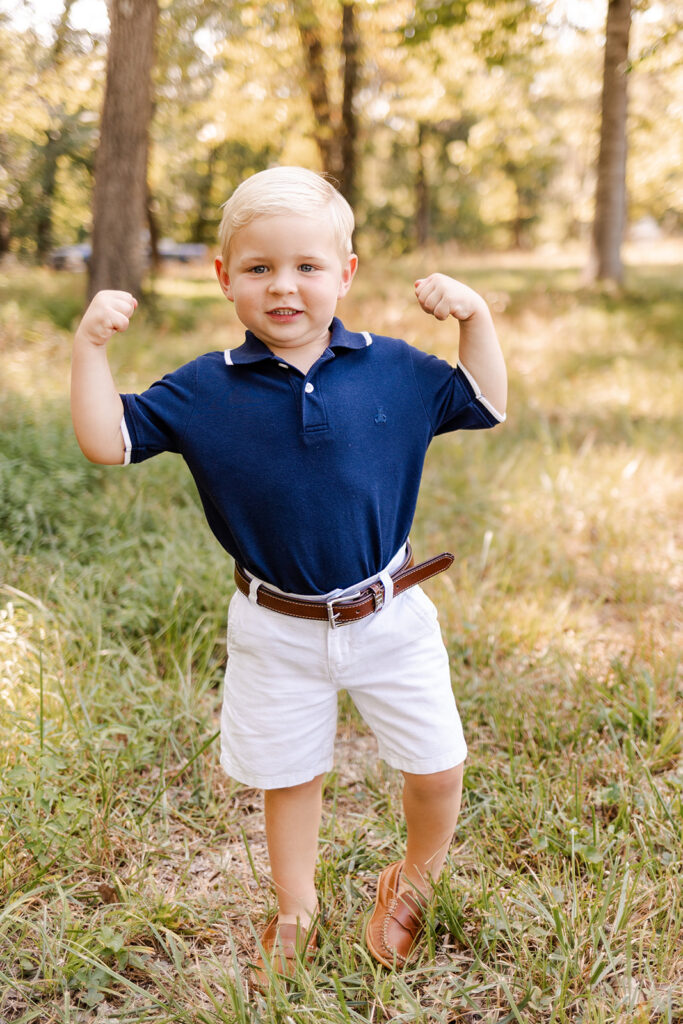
x=282, y=282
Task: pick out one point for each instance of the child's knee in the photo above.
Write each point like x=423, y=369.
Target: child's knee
x=435, y=784
x=302, y=789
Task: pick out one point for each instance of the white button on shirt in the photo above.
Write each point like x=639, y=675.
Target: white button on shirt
x=309, y=388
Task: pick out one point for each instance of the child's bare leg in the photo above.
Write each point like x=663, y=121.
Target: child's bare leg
x=292, y=825
x=431, y=804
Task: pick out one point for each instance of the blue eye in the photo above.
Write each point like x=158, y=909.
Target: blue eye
x=260, y=269
x=307, y=268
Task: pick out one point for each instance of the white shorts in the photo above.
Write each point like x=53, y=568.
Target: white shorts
x=279, y=715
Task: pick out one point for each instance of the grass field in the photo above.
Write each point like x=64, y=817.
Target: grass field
x=133, y=873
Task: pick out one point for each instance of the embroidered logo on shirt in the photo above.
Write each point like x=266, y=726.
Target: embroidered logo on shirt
x=381, y=416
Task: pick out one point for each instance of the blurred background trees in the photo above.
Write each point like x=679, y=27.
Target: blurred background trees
x=477, y=121
x=120, y=192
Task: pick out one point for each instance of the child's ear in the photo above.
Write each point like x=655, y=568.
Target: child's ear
x=223, y=279
x=348, y=273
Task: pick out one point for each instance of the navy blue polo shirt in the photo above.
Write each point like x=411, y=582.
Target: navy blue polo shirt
x=309, y=481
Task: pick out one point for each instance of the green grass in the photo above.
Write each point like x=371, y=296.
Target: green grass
x=133, y=873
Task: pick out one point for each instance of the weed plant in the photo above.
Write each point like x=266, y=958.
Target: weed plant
x=133, y=873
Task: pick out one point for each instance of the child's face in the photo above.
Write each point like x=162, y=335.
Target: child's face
x=285, y=276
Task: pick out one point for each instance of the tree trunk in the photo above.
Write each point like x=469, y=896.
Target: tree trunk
x=336, y=131
x=5, y=232
x=204, y=189
x=152, y=228
x=610, y=198
x=326, y=135
x=49, y=155
x=422, y=218
x=119, y=203
x=349, y=119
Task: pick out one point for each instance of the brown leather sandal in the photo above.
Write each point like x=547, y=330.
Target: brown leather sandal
x=282, y=947
x=396, y=922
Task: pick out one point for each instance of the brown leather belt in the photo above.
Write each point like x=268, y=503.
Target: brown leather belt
x=338, y=611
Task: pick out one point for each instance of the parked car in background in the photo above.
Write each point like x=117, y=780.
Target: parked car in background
x=75, y=257
x=183, y=252
x=70, y=257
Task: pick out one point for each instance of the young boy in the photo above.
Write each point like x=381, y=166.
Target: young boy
x=307, y=445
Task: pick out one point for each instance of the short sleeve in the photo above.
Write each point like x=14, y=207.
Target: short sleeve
x=156, y=420
x=451, y=396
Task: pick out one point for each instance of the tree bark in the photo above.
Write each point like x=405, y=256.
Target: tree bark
x=119, y=202
x=49, y=154
x=152, y=228
x=326, y=135
x=349, y=118
x=422, y=217
x=336, y=131
x=204, y=188
x=5, y=232
x=610, y=197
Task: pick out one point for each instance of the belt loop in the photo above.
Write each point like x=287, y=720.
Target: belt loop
x=254, y=584
x=388, y=584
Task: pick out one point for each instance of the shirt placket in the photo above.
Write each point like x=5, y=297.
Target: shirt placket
x=311, y=401
x=313, y=411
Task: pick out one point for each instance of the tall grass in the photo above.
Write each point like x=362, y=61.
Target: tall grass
x=134, y=874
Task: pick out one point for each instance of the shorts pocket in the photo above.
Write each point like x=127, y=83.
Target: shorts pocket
x=422, y=607
x=237, y=609
x=252, y=627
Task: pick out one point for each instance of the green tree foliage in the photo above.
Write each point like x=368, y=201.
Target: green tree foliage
x=215, y=120
x=471, y=120
x=47, y=133
x=493, y=35
x=653, y=173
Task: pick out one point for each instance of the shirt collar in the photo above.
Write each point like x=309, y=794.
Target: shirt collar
x=253, y=350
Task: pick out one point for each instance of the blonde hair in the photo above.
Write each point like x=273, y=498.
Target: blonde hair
x=286, y=190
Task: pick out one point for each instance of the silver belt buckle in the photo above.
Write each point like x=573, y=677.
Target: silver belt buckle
x=331, y=614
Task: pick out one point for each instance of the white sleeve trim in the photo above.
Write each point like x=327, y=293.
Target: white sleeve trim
x=500, y=416
x=127, y=444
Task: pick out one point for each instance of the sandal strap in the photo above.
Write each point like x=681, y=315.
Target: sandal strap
x=409, y=913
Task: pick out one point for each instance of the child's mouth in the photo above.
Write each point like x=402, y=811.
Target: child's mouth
x=283, y=314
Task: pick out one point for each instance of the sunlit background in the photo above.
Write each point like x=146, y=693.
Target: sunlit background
x=133, y=872
x=484, y=131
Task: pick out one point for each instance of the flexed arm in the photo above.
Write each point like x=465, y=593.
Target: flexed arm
x=479, y=351
x=96, y=408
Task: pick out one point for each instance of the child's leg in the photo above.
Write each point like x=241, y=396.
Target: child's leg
x=292, y=826
x=431, y=804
